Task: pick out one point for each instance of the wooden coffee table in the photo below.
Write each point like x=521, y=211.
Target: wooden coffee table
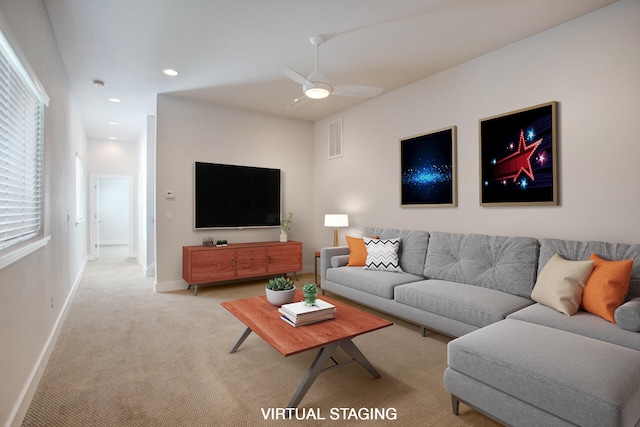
x=264, y=319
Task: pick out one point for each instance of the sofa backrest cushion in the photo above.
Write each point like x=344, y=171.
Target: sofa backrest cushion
x=506, y=264
x=577, y=250
x=413, y=246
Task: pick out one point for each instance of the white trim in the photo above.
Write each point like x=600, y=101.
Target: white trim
x=15, y=253
x=176, y=285
x=24, y=400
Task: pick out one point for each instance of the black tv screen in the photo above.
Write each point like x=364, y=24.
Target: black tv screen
x=236, y=196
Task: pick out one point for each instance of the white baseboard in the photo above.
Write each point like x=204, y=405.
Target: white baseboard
x=176, y=285
x=149, y=270
x=22, y=406
x=113, y=242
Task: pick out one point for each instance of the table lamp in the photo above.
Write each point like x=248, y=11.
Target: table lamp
x=335, y=221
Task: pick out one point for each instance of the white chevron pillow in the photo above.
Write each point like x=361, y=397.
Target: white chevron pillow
x=382, y=254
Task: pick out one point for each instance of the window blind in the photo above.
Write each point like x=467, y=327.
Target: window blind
x=21, y=149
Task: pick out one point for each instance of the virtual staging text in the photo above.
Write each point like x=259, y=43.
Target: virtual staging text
x=333, y=414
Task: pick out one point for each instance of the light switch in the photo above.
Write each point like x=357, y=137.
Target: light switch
x=169, y=216
x=170, y=195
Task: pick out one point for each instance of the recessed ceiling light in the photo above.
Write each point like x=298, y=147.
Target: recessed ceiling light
x=114, y=100
x=170, y=72
x=113, y=123
x=113, y=138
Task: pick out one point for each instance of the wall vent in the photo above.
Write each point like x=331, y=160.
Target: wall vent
x=335, y=138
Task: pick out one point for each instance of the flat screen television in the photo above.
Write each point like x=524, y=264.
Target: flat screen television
x=229, y=196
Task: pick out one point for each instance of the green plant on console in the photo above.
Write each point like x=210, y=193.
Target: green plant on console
x=285, y=224
x=280, y=284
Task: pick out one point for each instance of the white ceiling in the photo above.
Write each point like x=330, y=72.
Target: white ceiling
x=226, y=51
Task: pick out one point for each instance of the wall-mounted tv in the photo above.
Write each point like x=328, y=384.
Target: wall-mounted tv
x=229, y=196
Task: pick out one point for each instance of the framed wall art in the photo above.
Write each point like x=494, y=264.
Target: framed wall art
x=519, y=158
x=428, y=169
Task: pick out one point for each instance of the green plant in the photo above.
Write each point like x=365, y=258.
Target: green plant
x=310, y=288
x=280, y=283
x=285, y=224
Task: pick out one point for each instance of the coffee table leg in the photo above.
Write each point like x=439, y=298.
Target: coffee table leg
x=238, y=343
x=316, y=367
x=350, y=348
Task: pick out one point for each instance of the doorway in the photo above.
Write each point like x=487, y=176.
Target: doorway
x=111, y=206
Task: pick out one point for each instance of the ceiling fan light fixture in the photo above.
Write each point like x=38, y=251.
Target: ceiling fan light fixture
x=317, y=91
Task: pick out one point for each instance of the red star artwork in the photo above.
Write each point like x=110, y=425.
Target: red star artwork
x=515, y=164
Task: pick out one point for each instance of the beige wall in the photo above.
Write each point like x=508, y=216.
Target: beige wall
x=27, y=319
x=591, y=66
x=190, y=131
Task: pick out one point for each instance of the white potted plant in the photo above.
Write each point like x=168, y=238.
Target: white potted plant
x=280, y=290
x=285, y=227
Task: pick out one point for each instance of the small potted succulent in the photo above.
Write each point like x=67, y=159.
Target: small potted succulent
x=207, y=241
x=221, y=243
x=310, y=291
x=280, y=290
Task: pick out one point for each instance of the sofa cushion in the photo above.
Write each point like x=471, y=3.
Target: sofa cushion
x=580, y=379
x=382, y=254
x=606, y=287
x=560, y=284
x=628, y=315
x=576, y=250
x=583, y=323
x=503, y=263
x=413, y=246
x=380, y=283
x=469, y=304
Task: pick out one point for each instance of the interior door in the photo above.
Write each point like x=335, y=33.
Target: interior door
x=97, y=216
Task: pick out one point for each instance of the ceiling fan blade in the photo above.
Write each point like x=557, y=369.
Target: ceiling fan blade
x=299, y=101
x=357, y=91
x=293, y=75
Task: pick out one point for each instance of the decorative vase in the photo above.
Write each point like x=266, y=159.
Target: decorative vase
x=278, y=298
x=283, y=236
x=310, y=298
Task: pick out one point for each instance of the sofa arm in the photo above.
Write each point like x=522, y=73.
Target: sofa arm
x=325, y=258
x=628, y=315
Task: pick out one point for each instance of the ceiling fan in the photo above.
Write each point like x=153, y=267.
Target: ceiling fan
x=316, y=86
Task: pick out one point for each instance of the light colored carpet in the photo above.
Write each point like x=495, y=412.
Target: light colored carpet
x=127, y=356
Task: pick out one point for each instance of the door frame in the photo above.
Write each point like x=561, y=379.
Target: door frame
x=93, y=213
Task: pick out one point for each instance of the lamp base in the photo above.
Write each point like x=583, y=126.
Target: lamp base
x=335, y=236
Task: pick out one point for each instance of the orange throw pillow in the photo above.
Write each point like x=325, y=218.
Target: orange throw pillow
x=606, y=287
x=357, y=251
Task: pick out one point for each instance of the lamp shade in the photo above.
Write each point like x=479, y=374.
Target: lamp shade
x=336, y=220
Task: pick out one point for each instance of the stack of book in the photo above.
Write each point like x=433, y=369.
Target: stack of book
x=298, y=314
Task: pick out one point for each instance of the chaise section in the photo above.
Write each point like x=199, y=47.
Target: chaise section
x=581, y=380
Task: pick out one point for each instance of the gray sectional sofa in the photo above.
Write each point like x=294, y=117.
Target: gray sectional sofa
x=517, y=361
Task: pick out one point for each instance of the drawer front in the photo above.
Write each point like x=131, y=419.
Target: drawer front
x=284, y=259
x=213, y=265
x=251, y=261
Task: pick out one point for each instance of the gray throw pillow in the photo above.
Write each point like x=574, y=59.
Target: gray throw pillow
x=382, y=254
x=628, y=315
